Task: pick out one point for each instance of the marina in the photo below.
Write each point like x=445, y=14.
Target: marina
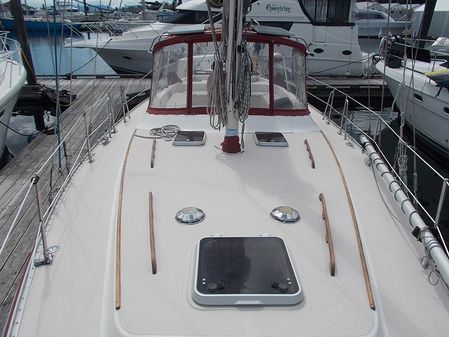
x=143, y=206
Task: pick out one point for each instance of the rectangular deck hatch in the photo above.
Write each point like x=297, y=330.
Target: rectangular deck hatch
x=189, y=138
x=270, y=139
x=245, y=271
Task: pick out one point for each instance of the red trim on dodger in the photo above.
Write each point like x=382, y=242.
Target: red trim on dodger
x=207, y=37
x=189, y=77
x=167, y=111
x=297, y=112
x=270, y=76
x=252, y=112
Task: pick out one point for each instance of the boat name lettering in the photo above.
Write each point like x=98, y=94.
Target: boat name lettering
x=277, y=8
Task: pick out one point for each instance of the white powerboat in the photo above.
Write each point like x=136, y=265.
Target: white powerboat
x=12, y=78
x=424, y=102
x=372, y=23
x=327, y=26
x=273, y=226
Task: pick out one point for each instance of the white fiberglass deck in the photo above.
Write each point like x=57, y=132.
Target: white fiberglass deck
x=75, y=296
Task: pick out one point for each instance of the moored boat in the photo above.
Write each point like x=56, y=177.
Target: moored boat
x=372, y=23
x=327, y=26
x=422, y=95
x=12, y=78
x=41, y=24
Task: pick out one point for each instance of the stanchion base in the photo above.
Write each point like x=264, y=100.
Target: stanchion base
x=231, y=144
x=43, y=262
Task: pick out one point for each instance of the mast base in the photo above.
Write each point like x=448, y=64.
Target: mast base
x=231, y=144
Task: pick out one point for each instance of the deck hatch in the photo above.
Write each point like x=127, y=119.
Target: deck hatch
x=270, y=139
x=189, y=138
x=245, y=271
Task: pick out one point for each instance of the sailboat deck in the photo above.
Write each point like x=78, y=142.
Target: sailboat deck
x=77, y=294
x=237, y=193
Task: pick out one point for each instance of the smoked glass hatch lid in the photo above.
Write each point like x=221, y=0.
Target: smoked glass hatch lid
x=245, y=271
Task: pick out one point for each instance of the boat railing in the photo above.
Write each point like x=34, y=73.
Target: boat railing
x=115, y=28
x=396, y=160
x=94, y=125
x=10, y=53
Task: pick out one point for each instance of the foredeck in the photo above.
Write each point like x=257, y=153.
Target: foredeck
x=237, y=193
x=77, y=295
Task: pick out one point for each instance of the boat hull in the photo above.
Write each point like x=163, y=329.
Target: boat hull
x=6, y=109
x=127, y=61
x=8, y=100
x=132, y=56
x=425, y=108
x=39, y=25
x=381, y=29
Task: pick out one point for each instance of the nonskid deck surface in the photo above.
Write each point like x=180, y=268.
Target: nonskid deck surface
x=76, y=295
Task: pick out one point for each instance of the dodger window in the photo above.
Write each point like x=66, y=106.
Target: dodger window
x=327, y=12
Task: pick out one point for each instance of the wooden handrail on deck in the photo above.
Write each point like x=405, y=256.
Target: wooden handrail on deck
x=312, y=160
x=368, y=286
x=151, y=230
x=329, y=241
x=153, y=153
x=118, y=233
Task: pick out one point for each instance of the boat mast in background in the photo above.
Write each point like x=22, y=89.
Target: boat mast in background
x=426, y=20
x=17, y=13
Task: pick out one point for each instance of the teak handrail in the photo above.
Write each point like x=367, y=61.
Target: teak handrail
x=153, y=153
x=329, y=241
x=151, y=231
x=368, y=286
x=309, y=150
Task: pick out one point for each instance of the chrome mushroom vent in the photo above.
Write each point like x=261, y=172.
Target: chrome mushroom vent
x=190, y=215
x=285, y=214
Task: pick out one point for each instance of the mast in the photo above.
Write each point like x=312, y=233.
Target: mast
x=229, y=100
x=231, y=143
x=144, y=5
x=85, y=7
x=237, y=71
x=16, y=10
x=429, y=8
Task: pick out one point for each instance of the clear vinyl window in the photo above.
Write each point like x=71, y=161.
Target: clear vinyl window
x=289, y=90
x=170, y=77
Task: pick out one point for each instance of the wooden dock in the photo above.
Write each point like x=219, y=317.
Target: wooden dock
x=15, y=177
x=368, y=91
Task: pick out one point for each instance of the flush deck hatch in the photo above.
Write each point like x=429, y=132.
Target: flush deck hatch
x=245, y=271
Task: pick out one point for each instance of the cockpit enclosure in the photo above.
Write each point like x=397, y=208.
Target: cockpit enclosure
x=183, y=63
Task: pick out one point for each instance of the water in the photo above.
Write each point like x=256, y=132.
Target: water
x=84, y=61
x=42, y=45
x=427, y=184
